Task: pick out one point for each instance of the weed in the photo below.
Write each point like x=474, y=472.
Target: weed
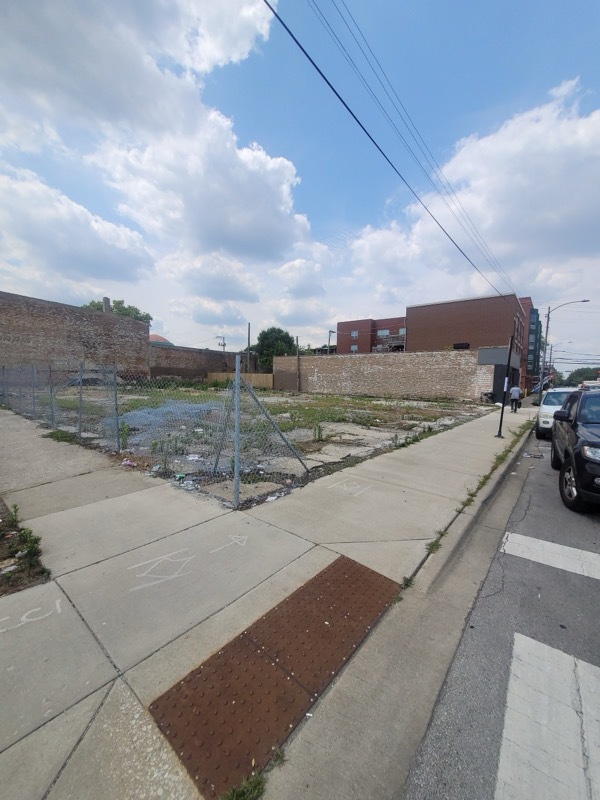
x=318, y=432
x=12, y=520
x=407, y=582
x=124, y=431
x=61, y=436
x=278, y=758
x=250, y=789
x=433, y=546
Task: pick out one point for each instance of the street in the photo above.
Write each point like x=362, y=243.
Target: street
x=519, y=713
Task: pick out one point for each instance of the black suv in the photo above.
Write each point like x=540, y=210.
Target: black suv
x=576, y=449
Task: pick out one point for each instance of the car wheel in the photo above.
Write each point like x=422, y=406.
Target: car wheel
x=555, y=461
x=567, y=485
x=539, y=434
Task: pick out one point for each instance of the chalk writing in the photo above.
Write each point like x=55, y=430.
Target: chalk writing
x=240, y=540
x=31, y=616
x=161, y=569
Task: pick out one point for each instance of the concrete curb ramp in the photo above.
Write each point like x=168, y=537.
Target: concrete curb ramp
x=150, y=582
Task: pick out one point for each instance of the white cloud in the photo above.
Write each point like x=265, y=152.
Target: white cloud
x=212, y=276
x=43, y=229
x=302, y=278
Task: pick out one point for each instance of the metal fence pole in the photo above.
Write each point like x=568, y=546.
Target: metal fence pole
x=80, y=404
x=236, y=436
x=20, y=390
x=51, y=393
x=4, y=386
x=33, y=382
x=116, y=394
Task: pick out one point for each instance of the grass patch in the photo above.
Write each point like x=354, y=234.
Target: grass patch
x=62, y=436
x=251, y=789
x=20, y=554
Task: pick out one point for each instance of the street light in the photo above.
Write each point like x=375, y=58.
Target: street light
x=550, y=310
x=552, y=346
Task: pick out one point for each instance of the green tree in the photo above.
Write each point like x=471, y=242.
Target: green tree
x=119, y=307
x=583, y=374
x=273, y=342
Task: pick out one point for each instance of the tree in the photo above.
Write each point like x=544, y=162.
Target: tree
x=583, y=374
x=273, y=342
x=119, y=307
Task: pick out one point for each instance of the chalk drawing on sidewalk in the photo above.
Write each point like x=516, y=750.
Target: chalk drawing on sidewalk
x=161, y=569
x=350, y=487
x=28, y=616
x=239, y=540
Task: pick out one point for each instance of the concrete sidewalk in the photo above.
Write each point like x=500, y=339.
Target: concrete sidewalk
x=149, y=581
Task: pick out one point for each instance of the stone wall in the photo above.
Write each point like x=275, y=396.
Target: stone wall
x=453, y=373
x=40, y=331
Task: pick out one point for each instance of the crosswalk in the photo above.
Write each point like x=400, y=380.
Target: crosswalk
x=551, y=737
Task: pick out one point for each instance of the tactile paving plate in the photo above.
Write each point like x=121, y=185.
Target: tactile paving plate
x=225, y=718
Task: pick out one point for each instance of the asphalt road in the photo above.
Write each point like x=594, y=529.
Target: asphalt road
x=519, y=713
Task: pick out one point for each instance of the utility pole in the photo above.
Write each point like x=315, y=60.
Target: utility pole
x=222, y=343
x=510, y=347
x=329, y=341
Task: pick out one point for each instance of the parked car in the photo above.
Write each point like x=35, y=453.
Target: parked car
x=575, y=449
x=552, y=400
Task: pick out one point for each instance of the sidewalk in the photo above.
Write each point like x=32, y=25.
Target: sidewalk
x=150, y=581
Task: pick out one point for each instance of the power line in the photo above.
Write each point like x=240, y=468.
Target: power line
x=380, y=149
x=459, y=212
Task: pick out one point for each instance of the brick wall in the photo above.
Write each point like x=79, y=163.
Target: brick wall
x=40, y=331
x=455, y=374
x=188, y=362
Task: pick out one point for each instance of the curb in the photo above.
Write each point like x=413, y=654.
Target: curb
x=434, y=564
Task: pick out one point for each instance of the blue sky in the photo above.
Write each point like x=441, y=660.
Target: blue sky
x=187, y=158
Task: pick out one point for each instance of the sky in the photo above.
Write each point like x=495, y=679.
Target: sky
x=187, y=157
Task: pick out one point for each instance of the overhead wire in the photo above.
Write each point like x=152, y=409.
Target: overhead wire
x=460, y=212
x=381, y=150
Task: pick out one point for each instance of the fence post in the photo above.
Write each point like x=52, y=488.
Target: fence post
x=51, y=392
x=20, y=390
x=4, y=387
x=33, y=382
x=118, y=432
x=236, y=435
x=80, y=404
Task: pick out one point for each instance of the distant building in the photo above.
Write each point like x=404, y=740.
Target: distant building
x=485, y=324
x=371, y=335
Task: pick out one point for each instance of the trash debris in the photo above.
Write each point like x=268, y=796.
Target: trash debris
x=533, y=455
x=127, y=462
x=193, y=458
x=180, y=476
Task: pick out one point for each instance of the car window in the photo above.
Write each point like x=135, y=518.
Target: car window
x=555, y=399
x=571, y=405
x=590, y=410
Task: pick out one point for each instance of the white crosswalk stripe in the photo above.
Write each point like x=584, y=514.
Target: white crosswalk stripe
x=551, y=739
x=581, y=562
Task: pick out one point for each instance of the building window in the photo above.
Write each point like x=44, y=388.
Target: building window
x=354, y=335
x=401, y=331
x=383, y=332
x=354, y=348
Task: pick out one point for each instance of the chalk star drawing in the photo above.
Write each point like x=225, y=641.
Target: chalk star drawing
x=351, y=487
x=164, y=568
x=241, y=540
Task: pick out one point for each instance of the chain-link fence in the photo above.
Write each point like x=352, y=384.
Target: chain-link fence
x=219, y=440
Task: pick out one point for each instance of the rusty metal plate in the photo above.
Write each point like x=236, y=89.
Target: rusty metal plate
x=313, y=632
x=225, y=718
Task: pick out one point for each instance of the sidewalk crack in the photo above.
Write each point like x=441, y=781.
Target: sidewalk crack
x=584, y=745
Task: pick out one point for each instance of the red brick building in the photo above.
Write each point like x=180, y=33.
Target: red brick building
x=451, y=325
x=371, y=335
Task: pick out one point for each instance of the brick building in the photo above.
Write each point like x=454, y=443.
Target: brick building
x=371, y=335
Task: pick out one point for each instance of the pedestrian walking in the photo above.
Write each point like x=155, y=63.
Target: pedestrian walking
x=515, y=398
